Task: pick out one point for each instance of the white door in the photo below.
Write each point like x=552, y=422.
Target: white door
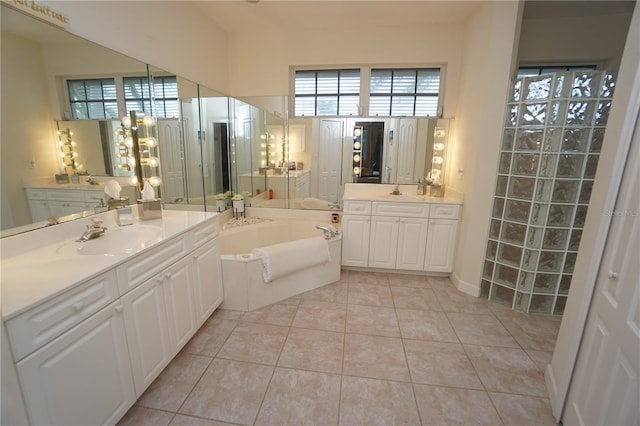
x=171, y=159
x=356, y=230
x=412, y=243
x=605, y=388
x=330, y=160
x=441, y=241
x=384, y=242
x=406, y=150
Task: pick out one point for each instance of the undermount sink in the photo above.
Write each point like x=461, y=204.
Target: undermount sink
x=115, y=241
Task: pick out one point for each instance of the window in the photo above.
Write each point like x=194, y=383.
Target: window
x=166, y=92
x=404, y=92
x=93, y=98
x=137, y=95
x=531, y=71
x=327, y=92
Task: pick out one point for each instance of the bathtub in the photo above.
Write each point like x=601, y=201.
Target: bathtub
x=244, y=288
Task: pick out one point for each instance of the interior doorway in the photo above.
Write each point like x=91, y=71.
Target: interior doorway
x=372, y=151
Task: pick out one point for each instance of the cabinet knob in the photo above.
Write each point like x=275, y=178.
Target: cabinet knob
x=78, y=306
x=119, y=308
x=613, y=275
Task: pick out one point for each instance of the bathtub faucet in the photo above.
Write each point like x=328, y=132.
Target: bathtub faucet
x=334, y=206
x=329, y=231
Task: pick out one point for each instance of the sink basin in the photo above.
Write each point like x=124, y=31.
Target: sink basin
x=115, y=241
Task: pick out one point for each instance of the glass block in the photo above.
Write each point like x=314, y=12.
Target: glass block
x=585, y=191
x=561, y=303
x=505, y=163
x=547, y=165
x=494, y=229
x=492, y=249
x=541, y=304
x=539, y=214
x=498, y=207
x=597, y=137
x=546, y=283
x=580, y=216
x=501, y=186
x=565, y=284
x=557, y=113
x=529, y=139
x=586, y=84
x=544, y=188
x=533, y=114
x=534, y=237
x=555, y=239
x=507, y=139
x=560, y=215
x=552, y=139
x=511, y=120
x=561, y=85
x=580, y=113
x=516, y=90
x=530, y=259
x=525, y=281
x=591, y=166
x=487, y=271
x=521, y=188
x=509, y=254
x=513, y=233
x=517, y=211
x=602, y=113
x=485, y=288
x=506, y=275
x=565, y=191
x=502, y=295
x=608, y=85
x=570, y=165
x=575, y=140
x=538, y=87
x=525, y=164
x=570, y=263
x=574, y=239
x=550, y=261
x=522, y=302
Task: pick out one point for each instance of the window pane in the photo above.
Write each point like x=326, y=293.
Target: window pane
x=404, y=81
x=327, y=105
x=402, y=105
x=93, y=89
x=327, y=82
x=381, y=81
x=350, y=81
x=379, y=105
x=76, y=90
x=80, y=110
x=96, y=110
x=305, y=106
x=427, y=105
x=428, y=81
x=111, y=109
x=133, y=106
x=305, y=83
x=349, y=105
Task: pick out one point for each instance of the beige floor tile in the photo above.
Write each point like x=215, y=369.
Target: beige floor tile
x=407, y=280
x=334, y=293
x=523, y=410
x=362, y=277
x=507, y=370
x=211, y=336
x=253, y=342
x=175, y=382
x=377, y=402
x=228, y=314
x=481, y=329
x=441, y=283
x=229, y=391
x=425, y=325
x=375, y=357
x=437, y=363
x=298, y=397
x=540, y=358
x=452, y=300
x=316, y=350
x=321, y=316
x=452, y=406
x=415, y=298
x=293, y=300
x=537, y=332
x=182, y=420
x=143, y=416
x=374, y=320
x=276, y=314
x=370, y=295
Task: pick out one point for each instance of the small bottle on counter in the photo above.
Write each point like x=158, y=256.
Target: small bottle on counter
x=75, y=178
x=271, y=194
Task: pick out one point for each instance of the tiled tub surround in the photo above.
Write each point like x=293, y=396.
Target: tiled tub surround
x=370, y=349
x=553, y=134
x=89, y=333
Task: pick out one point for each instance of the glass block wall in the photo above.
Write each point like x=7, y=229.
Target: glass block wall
x=553, y=133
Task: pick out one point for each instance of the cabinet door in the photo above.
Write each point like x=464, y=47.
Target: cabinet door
x=147, y=332
x=412, y=243
x=83, y=377
x=39, y=210
x=355, y=240
x=64, y=208
x=384, y=242
x=441, y=242
x=207, y=281
x=178, y=298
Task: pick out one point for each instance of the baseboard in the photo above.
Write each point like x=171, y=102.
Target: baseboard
x=552, y=390
x=464, y=286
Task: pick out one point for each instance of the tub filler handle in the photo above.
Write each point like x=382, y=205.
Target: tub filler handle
x=329, y=231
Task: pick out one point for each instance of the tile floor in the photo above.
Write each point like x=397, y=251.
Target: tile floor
x=371, y=349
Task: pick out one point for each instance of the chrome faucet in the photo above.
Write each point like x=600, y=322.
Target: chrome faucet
x=396, y=190
x=334, y=206
x=329, y=231
x=94, y=230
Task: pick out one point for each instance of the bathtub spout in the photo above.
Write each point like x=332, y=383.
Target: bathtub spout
x=329, y=231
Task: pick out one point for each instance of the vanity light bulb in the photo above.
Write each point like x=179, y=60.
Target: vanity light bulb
x=60, y=143
x=134, y=180
x=73, y=143
x=438, y=146
x=154, y=162
x=439, y=133
x=356, y=158
x=126, y=121
x=131, y=161
x=152, y=142
x=357, y=132
x=356, y=170
x=437, y=160
x=149, y=121
x=62, y=155
x=128, y=142
x=155, y=181
x=356, y=145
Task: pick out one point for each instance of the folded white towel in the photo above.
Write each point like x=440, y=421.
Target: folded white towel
x=284, y=258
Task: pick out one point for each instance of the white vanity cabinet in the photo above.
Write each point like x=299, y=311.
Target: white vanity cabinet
x=383, y=243
x=441, y=243
x=47, y=202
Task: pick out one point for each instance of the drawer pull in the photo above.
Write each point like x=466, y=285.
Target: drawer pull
x=119, y=308
x=78, y=306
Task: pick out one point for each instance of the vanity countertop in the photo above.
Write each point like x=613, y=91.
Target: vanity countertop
x=382, y=192
x=270, y=174
x=34, y=270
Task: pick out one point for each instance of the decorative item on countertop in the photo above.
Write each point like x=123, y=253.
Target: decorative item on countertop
x=221, y=202
x=238, y=205
x=151, y=208
x=247, y=198
x=437, y=188
x=112, y=189
x=62, y=178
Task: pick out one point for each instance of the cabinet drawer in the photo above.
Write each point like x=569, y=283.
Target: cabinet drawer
x=65, y=194
x=140, y=268
x=400, y=209
x=445, y=211
x=93, y=196
x=32, y=329
x=357, y=207
x=36, y=194
x=205, y=233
